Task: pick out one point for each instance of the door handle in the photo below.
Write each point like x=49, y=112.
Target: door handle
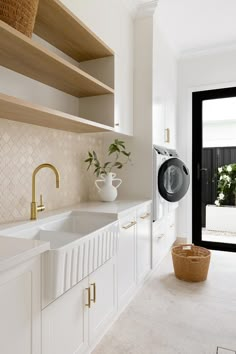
x=200, y=170
x=89, y=298
x=205, y=170
x=94, y=292
x=129, y=225
x=145, y=216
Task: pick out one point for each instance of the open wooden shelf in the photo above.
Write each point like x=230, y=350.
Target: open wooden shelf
x=21, y=54
x=19, y=110
x=60, y=27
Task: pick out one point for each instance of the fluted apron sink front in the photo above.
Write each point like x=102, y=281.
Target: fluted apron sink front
x=80, y=243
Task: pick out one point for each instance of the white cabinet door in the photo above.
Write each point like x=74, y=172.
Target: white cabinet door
x=170, y=123
x=69, y=326
x=126, y=259
x=103, y=299
x=65, y=322
x=143, y=241
x=171, y=227
x=20, y=327
x=163, y=237
x=159, y=241
x=158, y=124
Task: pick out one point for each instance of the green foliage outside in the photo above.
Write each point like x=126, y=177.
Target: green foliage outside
x=226, y=187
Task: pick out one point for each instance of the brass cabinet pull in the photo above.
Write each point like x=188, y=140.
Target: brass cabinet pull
x=129, y=225
x=167, y=135
x=89, y=298
x=145, y=216
x=94, y=292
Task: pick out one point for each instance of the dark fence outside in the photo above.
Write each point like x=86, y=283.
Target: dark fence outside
x=212, y=158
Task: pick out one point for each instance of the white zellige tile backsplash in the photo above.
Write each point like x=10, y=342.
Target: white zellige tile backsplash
x=23, y=147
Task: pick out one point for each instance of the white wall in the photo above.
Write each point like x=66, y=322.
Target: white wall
x=196, y=73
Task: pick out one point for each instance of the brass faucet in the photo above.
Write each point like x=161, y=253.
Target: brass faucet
x=34, y=207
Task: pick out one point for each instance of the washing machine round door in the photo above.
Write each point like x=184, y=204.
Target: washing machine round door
x=173, y=180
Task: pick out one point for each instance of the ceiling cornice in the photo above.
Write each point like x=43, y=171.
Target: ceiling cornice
x=146, y=9
x=141, y=8
x=217, y=49
x=130, y=5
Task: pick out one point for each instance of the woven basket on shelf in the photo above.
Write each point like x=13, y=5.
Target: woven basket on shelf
x=191, y=263
x=19, y=14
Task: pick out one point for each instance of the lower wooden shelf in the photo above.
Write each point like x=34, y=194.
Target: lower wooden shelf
x=22, y=111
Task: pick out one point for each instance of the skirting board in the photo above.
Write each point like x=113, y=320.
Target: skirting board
x=180, y=240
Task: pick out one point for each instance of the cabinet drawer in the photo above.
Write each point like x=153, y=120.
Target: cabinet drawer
x=144, y=212
x=159, y=229
x=127, y=222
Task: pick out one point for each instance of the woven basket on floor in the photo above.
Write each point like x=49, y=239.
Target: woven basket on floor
x=19, y=14
x=191, y=263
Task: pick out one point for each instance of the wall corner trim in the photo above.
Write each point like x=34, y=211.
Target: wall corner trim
x=146, y=9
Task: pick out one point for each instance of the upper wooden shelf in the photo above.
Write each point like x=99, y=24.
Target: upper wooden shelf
x=60, y=27
x=19, y=110
x=23, y=55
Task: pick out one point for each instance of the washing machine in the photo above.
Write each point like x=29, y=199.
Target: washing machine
x=170, y=181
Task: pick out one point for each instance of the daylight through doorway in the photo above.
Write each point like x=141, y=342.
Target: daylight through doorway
x=214, y=169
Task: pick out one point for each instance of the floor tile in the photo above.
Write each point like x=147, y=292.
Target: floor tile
x=169, y=316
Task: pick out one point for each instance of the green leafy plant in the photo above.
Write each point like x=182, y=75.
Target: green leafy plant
x=119, y=157
x=226, y=185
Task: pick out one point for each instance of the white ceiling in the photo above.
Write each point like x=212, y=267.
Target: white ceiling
x=192, y=25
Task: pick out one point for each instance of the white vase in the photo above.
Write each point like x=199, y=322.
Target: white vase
x=106, y=190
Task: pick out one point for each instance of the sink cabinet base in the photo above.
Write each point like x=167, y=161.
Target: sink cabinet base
x=69, y=325
x=64, y=268
x=20, y=308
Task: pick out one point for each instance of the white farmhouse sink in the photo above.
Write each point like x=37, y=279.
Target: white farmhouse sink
x=79, y=222
x=80, y=243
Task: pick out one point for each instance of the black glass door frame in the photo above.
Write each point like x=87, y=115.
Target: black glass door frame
x=197, y=103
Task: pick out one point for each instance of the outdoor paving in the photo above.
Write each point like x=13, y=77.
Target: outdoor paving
x=218, y=236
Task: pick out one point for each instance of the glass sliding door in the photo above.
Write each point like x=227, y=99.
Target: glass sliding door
x=214, y=169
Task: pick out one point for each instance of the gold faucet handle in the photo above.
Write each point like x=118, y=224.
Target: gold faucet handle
x=41, y=207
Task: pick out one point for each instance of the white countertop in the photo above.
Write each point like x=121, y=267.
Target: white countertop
x=117, y=207
x=16, y=250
